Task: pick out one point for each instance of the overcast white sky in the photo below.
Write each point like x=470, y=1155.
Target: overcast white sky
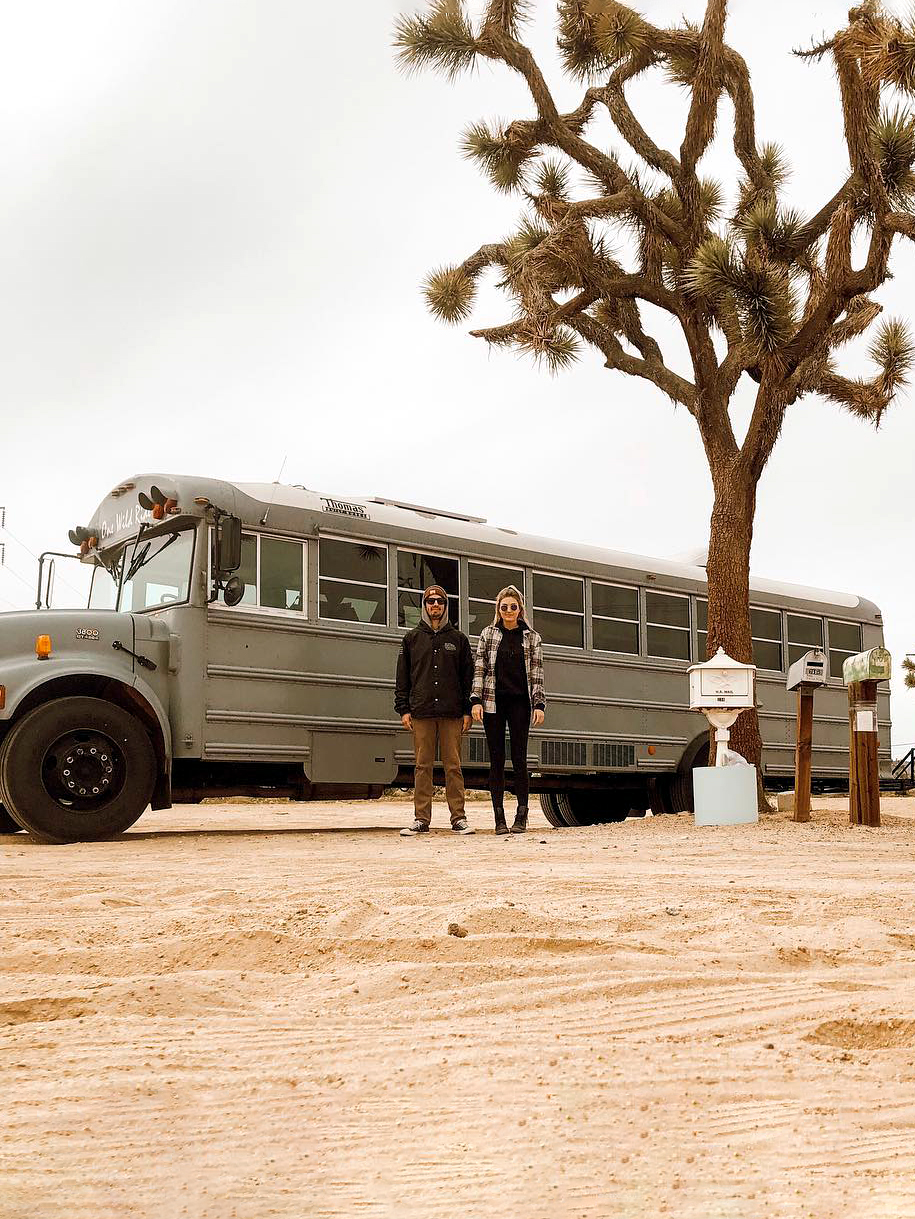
x=214, y=221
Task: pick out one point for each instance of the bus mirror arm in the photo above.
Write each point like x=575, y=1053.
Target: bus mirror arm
x=43, y=599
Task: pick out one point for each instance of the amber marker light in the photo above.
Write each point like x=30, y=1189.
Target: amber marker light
x=2, y=697
x=652, y=750
x=43, y=647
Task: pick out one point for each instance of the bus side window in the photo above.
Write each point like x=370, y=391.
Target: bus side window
x=844, y=641
x=281, y=582
x=615, y=618
x=559, y=609
x=667, y=617
x=353, y=581
x=804, y=633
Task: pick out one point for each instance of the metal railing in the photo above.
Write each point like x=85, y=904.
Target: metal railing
x=904, y=769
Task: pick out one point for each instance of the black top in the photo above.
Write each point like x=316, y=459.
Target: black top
x=511, y=672
x=434, y=673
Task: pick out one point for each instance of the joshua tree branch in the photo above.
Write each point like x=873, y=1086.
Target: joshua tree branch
x=650, y=369
x=630, y=128
x=703, y=110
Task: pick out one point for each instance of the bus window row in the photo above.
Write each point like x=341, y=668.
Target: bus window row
x=353, y=587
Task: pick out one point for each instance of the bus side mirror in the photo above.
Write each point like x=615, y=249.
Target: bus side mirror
x=228, y=544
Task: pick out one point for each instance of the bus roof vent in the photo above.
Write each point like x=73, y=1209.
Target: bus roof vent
x=451, y=516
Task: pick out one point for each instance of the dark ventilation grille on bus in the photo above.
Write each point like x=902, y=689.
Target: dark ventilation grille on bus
x=613, y=754
x=564, y=753
x=478, y=753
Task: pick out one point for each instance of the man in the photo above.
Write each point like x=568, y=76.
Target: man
x=432, y=698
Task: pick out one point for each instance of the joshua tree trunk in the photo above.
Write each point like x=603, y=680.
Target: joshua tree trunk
x=731, y=535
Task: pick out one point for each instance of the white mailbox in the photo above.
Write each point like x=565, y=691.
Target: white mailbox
x=808, y=672
x=721, y=682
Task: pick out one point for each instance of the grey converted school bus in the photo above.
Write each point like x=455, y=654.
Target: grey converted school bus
x=198, y=671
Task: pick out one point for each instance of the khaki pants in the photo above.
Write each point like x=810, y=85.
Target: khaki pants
x=448, y=734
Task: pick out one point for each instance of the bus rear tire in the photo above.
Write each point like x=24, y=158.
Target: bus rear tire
x=7, y=824
x=581, y=808
x=551, y=810
x=77, y=770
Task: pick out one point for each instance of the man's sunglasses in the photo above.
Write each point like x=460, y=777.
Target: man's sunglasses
x=435, y=601
x=508, y=609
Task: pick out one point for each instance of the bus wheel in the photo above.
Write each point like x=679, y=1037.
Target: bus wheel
x=551, y=810
x=76, y=770
x=578, y=808
x=660, y=796
x=7, y=824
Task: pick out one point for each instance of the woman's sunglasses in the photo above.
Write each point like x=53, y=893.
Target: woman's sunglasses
x=508, y=609
x=435, y=601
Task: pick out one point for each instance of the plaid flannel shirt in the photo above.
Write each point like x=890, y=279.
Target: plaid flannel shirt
x=484, y=670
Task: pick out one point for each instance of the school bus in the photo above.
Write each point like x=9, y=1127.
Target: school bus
x=242, y=639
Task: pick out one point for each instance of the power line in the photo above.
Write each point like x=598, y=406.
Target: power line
x=9, y=533
x=16, y=576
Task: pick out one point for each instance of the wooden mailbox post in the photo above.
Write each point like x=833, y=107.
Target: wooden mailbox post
x=806, y=675
x=861, y=674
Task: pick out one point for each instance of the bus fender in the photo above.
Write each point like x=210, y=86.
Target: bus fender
x=102, y=681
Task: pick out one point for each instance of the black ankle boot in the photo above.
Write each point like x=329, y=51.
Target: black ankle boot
x=519, y=825
x=501, y=827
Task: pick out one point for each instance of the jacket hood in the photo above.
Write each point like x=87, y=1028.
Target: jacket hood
x=435, y=588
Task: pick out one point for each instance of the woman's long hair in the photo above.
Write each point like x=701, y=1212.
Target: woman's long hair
x=511, y=591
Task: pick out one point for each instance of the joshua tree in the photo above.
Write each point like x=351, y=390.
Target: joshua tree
x=757, y=289
x=908, y=666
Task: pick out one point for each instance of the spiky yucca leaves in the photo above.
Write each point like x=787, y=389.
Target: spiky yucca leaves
x=763, y=292
x=555, y=347
x=578, y=49
x=885, y=48
x=893, y=352
x=908, y=667
x=593, y=35
x=892, y=140
x=552, y=178
x=442, y=39
x=683, y=58
x=508, y=15
x=770, y=232
x=529, y=235
x=502, y=153
x=775, y=172
x=619, y=31
x=449, y=293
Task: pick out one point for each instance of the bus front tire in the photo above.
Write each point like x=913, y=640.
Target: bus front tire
x=77, y=770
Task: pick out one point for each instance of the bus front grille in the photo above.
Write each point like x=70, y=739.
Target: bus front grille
x=613, y=755
x=564, y=753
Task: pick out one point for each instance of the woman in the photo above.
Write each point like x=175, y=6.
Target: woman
x=507, y=686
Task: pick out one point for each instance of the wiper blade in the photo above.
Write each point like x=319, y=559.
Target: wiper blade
x=137, y=562
x=143, y=557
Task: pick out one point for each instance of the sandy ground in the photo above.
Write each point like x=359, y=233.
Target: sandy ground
x=257, y=1010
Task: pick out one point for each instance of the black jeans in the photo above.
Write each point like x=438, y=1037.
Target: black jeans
x=515, y=713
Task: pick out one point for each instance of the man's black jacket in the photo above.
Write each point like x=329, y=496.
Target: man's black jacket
x=434, y=673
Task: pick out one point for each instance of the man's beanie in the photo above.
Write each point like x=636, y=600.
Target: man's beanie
x=435, y=588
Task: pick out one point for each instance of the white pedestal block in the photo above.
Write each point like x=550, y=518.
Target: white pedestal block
x=725, y=795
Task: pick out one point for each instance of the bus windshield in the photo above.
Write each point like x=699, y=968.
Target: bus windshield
x=147, y=576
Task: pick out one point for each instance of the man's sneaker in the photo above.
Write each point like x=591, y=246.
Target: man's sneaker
x=418, y=827
x=461, y=827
